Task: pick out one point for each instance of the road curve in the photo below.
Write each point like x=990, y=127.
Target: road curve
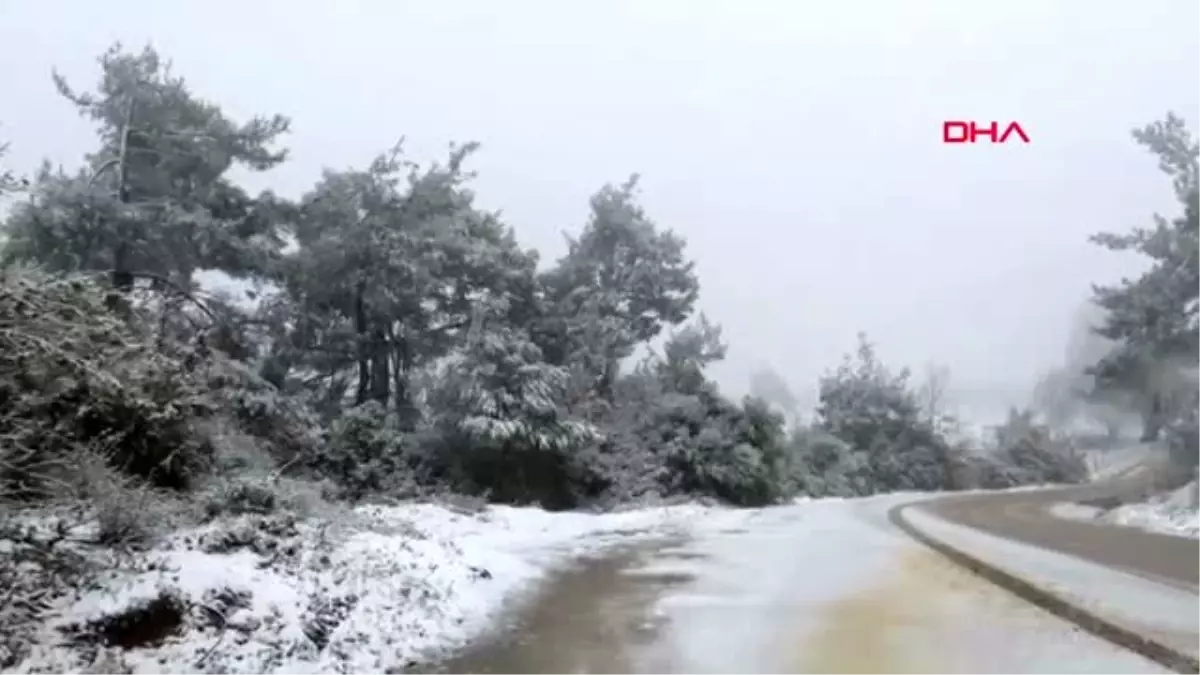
x=1024, y=517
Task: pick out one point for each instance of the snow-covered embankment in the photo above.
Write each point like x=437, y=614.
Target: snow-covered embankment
x=387, y=587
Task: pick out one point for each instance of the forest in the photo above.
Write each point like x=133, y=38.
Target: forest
x=393, y=342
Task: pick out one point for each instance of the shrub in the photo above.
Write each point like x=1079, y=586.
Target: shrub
x=368, y=453
x=891, y=445
x=822, y=465
x=75, y=379
x=503, y=424
x=1027, y=454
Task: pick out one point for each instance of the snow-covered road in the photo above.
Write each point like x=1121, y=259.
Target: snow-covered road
x=816, y=586
x=820, y=586
x=830, y=586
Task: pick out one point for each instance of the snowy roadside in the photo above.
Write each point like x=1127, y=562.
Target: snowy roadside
x=1140, y=604
x=1173, y=513
x=1108, y=463
x=263, y=594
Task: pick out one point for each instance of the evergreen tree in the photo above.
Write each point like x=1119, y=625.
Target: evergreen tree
x=1154, y=318
x=154, y=199
x=620, y=283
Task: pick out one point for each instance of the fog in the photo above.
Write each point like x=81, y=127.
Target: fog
x=796, y=145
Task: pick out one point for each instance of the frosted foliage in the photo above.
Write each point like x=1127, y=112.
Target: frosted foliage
x=502, y=393
x=391, y=340
x=1153, y=317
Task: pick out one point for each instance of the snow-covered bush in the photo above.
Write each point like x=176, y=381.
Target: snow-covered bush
x=627, y=465
x=1026, y=453
x=76, y=379
x=504, y=424
x=875, y=412
x=282, y=425
x=37, y=566
x=820, y=464
x=367, y=453
x=704, y=444
x=738, y=458
x=1183, y=443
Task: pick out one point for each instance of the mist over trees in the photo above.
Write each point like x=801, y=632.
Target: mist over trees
x=393, y=340
x=1067, y=398
x=396, y=340
x=768, y=385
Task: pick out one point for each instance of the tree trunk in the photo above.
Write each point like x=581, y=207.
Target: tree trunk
x=608, y=376
x=122, y=281
x=380, y=380
x=360, y=331
x=122, y=276
x=397, y=373
x=405, y=407
x=1152, y=419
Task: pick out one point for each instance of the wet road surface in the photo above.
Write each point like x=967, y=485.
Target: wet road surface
x=819, y=587
x=590, y=618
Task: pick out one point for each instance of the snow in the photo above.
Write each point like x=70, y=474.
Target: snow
x=1173, y=513
x=820, y=585
x=1073, y=511
x=1108, y=463
x=1144, y=605
x=415, y=580
x=832, y=586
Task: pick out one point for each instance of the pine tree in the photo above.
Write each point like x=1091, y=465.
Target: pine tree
x=1154, y=317
x=154, y=200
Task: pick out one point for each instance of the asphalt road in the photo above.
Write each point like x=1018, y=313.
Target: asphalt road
x=823, y=587
x=1024, y=516
x=834, y=587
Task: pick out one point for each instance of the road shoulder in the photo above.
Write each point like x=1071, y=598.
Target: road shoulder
x=1159, y=621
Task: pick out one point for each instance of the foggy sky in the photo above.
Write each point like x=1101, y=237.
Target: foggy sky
x=795, y=144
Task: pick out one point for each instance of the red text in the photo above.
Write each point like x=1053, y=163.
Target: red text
x=954, y=131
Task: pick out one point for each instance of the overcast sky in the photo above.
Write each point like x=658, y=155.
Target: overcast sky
x=795, y=144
